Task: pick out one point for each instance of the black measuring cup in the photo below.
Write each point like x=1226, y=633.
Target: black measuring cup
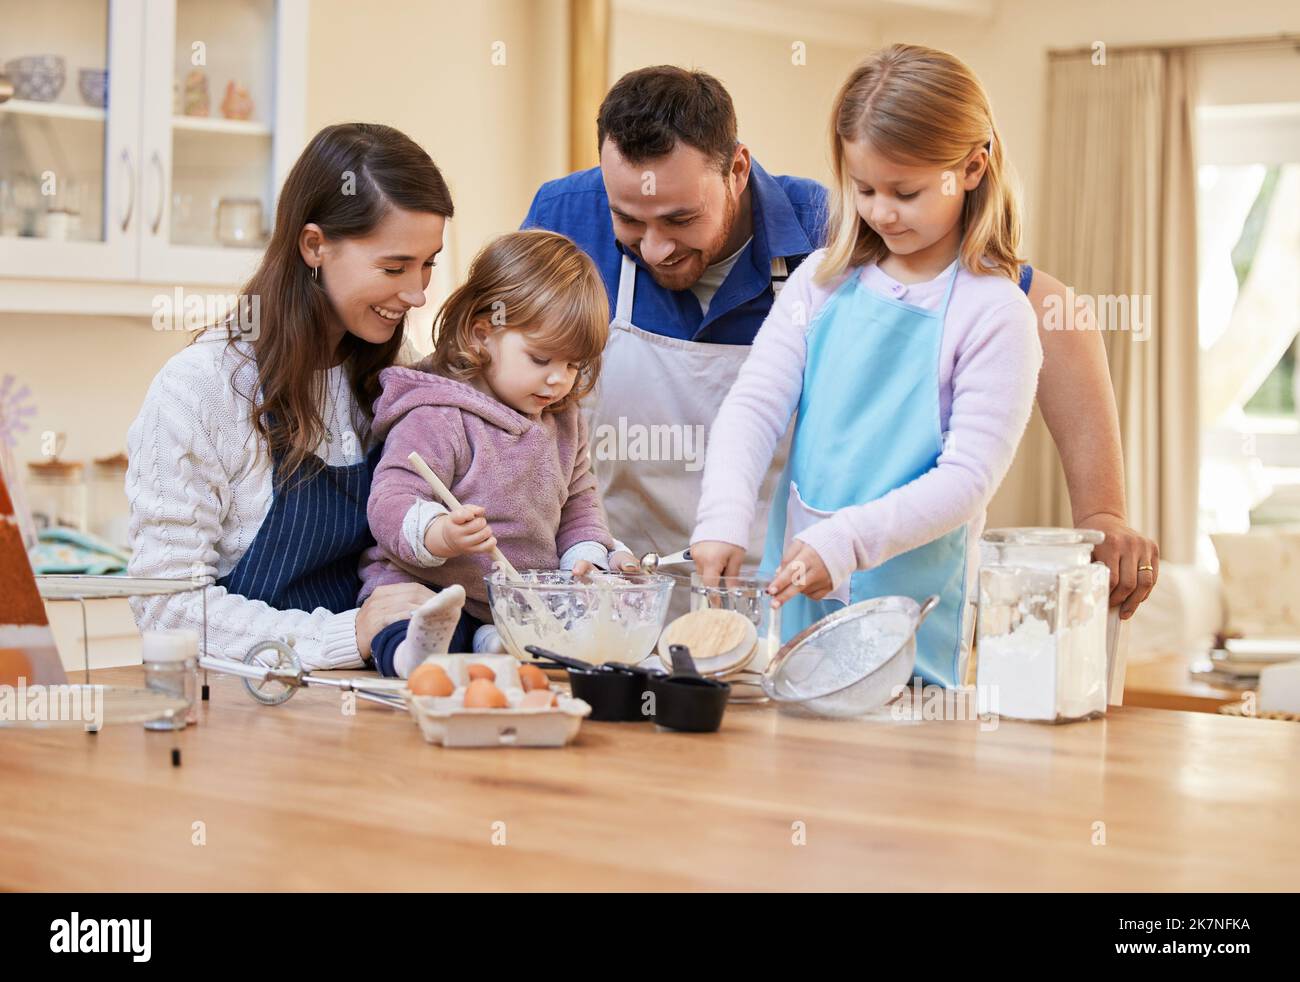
x=615, y=693
x=686, y=700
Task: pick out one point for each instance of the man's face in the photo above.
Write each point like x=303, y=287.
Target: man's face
x=675, y=212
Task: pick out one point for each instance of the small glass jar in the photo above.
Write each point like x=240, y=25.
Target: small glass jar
x=57, y=494
x=1041, y=641
x=239, y=222
x=746, y=595
x=171, y=660
x=109, y=508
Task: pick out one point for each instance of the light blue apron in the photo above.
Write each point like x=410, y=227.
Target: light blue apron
x=868, y=423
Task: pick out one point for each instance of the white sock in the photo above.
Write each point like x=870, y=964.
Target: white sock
x=431, y=628
x=487, y=641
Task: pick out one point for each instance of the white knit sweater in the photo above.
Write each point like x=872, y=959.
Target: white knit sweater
x=199, y=483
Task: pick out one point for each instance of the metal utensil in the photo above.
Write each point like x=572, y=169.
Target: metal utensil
x=582, y=666
x=851, y=662
x=651, y=561
x=272, y=673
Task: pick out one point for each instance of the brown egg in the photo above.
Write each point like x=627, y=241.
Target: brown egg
x=482, y=694
x=481, y=672
x=538, y=699
x=430, y=680
x=531, y=677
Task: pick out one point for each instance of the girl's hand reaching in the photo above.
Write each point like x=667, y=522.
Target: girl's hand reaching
x=801, y=571
x=459, y=532
x=714, y=560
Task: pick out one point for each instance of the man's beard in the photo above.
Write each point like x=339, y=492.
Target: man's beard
x=687, y=272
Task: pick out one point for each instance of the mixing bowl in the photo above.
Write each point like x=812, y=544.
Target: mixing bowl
x=606, y=617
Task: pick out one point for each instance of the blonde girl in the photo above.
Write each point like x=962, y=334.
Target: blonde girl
x=910, y=353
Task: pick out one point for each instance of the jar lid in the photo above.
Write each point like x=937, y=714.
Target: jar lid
x=173, y=645
x=117, y=462
x=53, y=467
x=1044, y=536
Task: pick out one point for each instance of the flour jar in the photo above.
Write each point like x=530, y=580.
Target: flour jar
x=1041, y=640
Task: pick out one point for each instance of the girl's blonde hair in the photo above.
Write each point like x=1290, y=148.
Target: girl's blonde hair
x=916, y=105
x=536, y=281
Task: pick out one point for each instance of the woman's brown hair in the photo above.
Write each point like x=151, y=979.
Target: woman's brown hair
x=536, y=281
x=346, y=181
x=920, y=105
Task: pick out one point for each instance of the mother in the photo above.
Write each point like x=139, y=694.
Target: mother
x=251, y=459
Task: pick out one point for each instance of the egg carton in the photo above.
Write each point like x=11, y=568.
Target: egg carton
x=444, y=720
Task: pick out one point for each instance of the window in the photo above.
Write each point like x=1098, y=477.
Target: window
x=1248, y=203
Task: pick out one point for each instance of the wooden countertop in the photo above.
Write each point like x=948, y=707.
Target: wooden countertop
x=302, y=797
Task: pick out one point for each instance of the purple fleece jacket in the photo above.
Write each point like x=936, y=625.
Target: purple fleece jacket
x=531, y=474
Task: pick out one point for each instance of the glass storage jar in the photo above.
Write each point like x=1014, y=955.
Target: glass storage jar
x=1041, y=639
x=57, y=494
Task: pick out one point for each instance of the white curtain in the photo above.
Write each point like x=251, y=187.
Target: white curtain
x=1119, y=220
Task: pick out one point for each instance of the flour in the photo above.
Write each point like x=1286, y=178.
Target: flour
x=1037, y=674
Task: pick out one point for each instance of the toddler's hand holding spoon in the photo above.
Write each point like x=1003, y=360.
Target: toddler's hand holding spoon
x=460, y=531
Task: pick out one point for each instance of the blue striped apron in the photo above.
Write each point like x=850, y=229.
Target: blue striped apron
x=868, y=422
x=305, y=553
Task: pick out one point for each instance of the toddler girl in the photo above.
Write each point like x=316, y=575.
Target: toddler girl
x=494, y=412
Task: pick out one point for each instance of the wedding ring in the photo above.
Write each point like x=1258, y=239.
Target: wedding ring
x=1149, y=569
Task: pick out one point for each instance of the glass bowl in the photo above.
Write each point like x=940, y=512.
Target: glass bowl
x=613, y=617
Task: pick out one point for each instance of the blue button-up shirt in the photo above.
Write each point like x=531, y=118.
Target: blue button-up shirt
x=789, y=215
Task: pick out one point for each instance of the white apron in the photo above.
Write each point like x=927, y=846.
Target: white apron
x=648, y=421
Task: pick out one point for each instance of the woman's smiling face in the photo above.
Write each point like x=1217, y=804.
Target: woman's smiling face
x=372, y=281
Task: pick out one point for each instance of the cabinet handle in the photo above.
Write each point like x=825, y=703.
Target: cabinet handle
x=158, y=168
x=130, y=201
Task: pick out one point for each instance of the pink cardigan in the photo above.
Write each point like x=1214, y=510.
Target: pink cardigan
x=531, y=474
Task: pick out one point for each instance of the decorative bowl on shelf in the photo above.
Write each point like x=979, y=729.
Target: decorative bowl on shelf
x=37, y=78
x=93, y=83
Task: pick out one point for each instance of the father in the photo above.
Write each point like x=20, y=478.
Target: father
x=694, y=239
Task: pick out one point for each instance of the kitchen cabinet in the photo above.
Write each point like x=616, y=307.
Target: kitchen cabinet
x=107, y=200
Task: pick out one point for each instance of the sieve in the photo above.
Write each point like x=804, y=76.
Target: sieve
x=851, y=662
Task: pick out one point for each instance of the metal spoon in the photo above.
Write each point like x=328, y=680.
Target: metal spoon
x=582, y=666
x=651, y=561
